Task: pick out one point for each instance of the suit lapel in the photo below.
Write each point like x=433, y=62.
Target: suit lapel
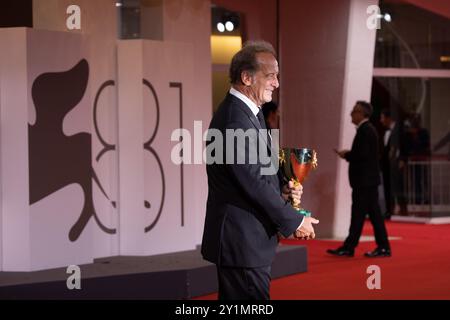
x=238, y=102
x=251, y=116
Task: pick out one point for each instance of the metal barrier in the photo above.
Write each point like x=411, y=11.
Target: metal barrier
x=427, y=186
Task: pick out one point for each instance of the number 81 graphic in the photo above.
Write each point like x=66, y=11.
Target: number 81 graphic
x=147, y=145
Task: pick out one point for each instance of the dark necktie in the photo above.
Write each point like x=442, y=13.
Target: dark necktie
x=262, y=122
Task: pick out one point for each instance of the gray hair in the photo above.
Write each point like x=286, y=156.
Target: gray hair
x=245, y=59
x=366, y=108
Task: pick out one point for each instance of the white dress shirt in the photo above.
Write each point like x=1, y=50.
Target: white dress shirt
x=388, y=132
x=255, y=109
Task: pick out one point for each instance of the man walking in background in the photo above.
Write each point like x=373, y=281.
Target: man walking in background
x=392, y=164
x=364, y=176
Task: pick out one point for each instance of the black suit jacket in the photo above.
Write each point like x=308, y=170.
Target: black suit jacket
x=364, y=170
x=245, y=209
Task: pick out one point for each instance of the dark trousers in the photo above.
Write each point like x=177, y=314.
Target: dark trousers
x=388, y=194
x=244, y=283
x=365, y=201
x=393, y=191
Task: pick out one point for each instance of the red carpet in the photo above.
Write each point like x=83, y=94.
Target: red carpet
x=418, y=269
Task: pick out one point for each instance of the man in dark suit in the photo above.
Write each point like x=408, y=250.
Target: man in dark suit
x=271, y=114
x=246, y=209
x=392, y=164
x=364, y=175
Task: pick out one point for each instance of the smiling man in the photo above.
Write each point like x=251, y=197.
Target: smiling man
x=246, y=210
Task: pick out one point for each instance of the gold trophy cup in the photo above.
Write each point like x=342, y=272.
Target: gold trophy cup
x=295, y=165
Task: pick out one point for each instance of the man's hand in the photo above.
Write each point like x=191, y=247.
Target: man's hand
x=341, y=153
x=306, y=231
x=291, y=192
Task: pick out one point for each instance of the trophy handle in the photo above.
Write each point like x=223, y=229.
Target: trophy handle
x=296, y=205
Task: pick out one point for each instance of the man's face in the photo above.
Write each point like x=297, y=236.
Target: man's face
x=357, y=114
x=385, y=121
x=265, y=80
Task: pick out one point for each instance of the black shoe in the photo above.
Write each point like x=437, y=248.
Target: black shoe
x=378, y=252
x=342, y=251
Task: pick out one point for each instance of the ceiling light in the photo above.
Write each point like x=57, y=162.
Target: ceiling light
x=229, y=26
x=220, y=27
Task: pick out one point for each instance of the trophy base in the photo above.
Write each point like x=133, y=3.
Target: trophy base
x=304, y=212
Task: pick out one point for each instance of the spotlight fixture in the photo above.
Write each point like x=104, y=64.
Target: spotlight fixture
x=224, y=22
x=386, y=17
x=229, y=26
x=220, y=27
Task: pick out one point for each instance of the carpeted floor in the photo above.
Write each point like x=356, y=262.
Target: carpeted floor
x=418, y=269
